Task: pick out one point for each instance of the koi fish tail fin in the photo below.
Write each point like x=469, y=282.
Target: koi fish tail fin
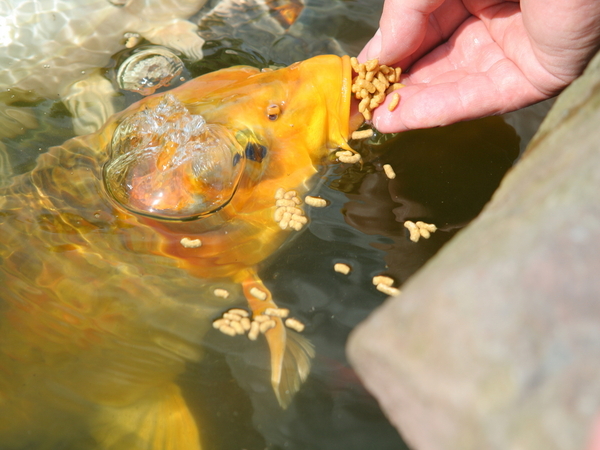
x=160, y=420
x=288, y=374
x=291, y=353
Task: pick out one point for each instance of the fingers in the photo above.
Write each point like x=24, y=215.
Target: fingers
x=468, y=96
x=411, y=28
x=402, y=29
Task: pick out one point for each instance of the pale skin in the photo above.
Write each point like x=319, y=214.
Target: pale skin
x=473, y=58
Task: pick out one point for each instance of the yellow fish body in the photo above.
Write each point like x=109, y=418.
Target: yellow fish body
x=93, y=253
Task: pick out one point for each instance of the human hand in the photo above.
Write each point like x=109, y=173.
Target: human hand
x=472, y=58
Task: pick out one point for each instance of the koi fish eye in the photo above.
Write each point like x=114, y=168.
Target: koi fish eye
x=168, y=164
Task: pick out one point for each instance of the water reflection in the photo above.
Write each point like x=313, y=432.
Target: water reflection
x=90, y=372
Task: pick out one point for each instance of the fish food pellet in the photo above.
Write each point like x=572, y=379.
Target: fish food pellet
x=427, y=226
x=228, y=330
x=237, y=326
x=348, y=157
x=246, y=324
x=317, y=202
x=277, y=312
x=342, y=268
x=388, y=289
x=266, y=326
x=294, y=324
x=389, y=171
x=190, y=243
x=239, y=312
x=255, y=292
x=364, y=134
x=254, y=331
x=223, y=293
x=382, y=279
x=372, y=83
x=413, y=230
x=219, y=323
x=394, y=103
x=261, y=318
x=288, y=213
x=232, y=317
x=419, y=230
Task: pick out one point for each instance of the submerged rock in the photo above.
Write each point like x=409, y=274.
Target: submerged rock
x=495, y=343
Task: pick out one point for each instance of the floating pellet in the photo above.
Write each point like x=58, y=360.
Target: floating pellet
x=239, y=312
x=363, y=134
x=300, y=219
x=382, y=279
x=424, y=233
x=266, y=326
x=279, y=193
x=415, y=234
x=394, y=102
x=388, y=289
x=294, y=211
x=342, y=268
x=297, y=226
x=294, y=324
x=427, y=226
x=277, y=312
x=317, y=202
x=348, y=157
x=255, y=292
x=261, y=318
x=389, y=171
x=297, y=200
x=285, y=221
x=190, y=243
x=254, y=331
x=219, y=323
x=223, y=293
x=228, y=330
x=232, y=317
x=289, y=194
x=279, y=214
x=237, y=326
x=285, y=202
x=246, y=324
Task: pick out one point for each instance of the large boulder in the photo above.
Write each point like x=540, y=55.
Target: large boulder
x=495, y=343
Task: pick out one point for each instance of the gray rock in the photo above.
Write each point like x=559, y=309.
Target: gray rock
x=495, y=343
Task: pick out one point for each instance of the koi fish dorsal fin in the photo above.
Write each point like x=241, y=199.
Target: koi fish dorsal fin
x=291, y=353
x=160, y=420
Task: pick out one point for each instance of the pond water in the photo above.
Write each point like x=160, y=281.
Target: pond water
x=72, y=379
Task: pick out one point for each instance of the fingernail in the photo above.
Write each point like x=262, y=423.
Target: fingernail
x=374, y=46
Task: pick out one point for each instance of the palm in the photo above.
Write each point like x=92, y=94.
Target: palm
x=469, y=59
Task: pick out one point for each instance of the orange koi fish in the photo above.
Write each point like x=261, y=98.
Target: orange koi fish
x=110, y=248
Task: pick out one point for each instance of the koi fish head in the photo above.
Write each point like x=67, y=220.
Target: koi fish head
x=188, y=153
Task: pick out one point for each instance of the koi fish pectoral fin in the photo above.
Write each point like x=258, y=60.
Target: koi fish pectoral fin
x=291, y=353
x=288, y=373
x=160, y=420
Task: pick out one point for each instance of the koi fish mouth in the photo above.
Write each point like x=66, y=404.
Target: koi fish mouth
x=169, y=164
